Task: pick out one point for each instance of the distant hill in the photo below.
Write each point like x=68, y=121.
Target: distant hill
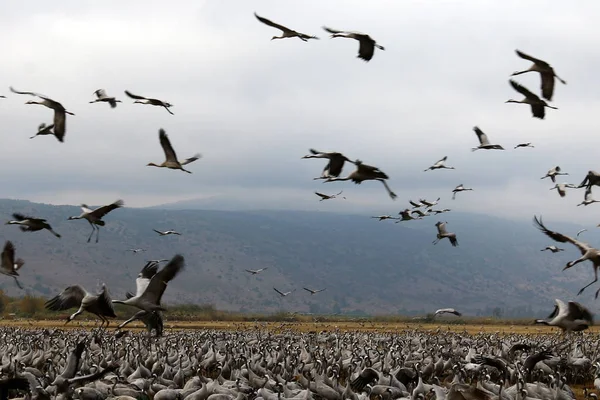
x=366, y=266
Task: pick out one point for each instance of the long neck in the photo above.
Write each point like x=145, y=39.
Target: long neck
x=14, y=222
x=338, y=179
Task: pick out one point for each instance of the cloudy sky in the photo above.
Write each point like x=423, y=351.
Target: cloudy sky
x=253, y=106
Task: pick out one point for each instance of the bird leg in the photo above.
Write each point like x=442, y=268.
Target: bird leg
x=137, y=315
x=591, y=283
x=436, y=241
x=520, y=72
x=97, y=234
x=560, y=79
x=104, y=321
x=18, y=283
x=92, y=233
x=387, y=188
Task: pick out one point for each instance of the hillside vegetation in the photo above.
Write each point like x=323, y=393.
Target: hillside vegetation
x=366, y=266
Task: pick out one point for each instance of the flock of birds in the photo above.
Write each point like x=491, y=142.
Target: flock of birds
x=212, y=365
x=252, y=363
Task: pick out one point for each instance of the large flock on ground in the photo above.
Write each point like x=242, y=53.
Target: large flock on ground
x=280, y=362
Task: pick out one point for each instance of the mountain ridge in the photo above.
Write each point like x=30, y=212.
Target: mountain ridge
x=367, y=266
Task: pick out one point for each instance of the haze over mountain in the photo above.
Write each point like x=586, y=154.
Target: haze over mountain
x=366, y=266
x=252, y=107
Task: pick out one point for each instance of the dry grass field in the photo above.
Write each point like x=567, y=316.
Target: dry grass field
x=367, y=326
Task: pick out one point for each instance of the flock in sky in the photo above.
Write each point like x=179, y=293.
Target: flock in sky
x=148, y=294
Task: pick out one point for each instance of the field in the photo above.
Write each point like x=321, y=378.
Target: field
x=367, y=326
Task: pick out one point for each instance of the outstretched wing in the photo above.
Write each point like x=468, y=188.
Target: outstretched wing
x=29, y=93
x=283, y=294
x=68, y=298
x=323, y=196
x=579, y=312
x=492, y=361
x=191, y=159
x=559, y=237
x=522, y=89
x=102, y=211
x=366, y=47
x=160, y=280
x=135, y=96
x=453, y=241
x=336, y=164
x=8, y=256
x=371, y=170
x=532, y=59
x=143, y=279
x=441, y=227
x=21, y=217
x=547, y=85
x=105, y=303
x=166, y=145
x=100, y=93
x=271, y=23
x=483, y=139
x=367, y=376
x=554, y=312
x=333, y=31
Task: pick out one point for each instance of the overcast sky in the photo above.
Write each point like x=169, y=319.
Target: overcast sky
x=253, y=107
